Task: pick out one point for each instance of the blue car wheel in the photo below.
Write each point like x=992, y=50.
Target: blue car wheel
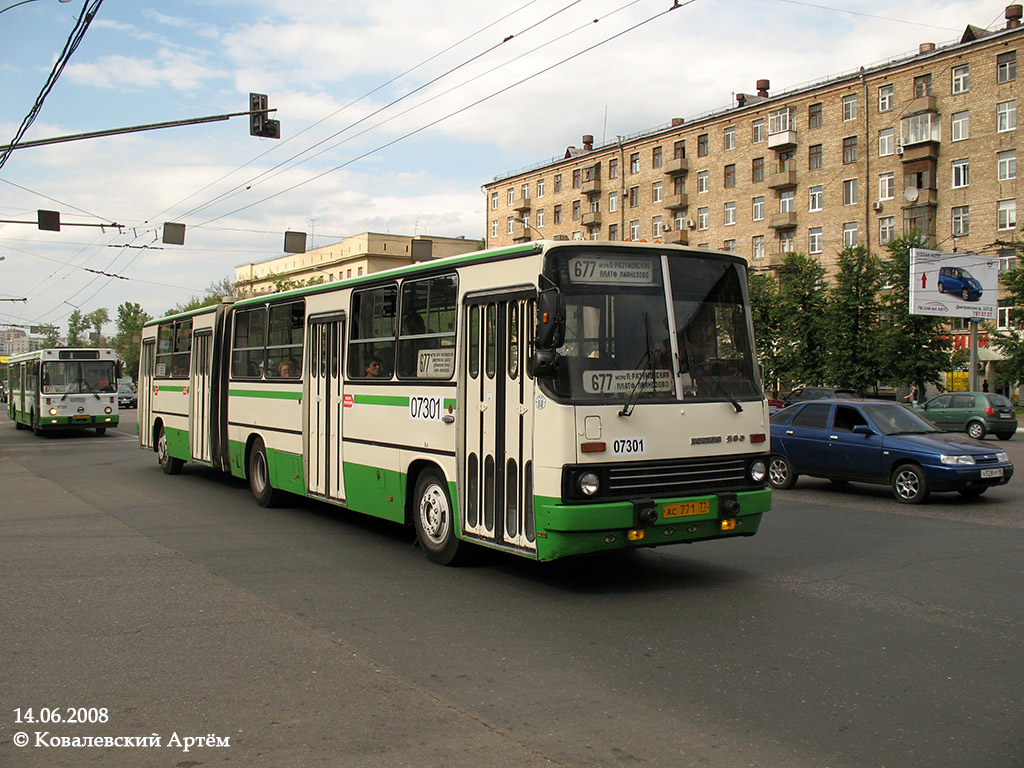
x=909, y=485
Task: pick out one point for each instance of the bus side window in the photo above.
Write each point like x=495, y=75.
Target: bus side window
x=372, y=335
x=248, y=347
x=426, y=335
x=284, y=340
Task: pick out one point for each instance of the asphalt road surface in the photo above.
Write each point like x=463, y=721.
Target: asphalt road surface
x=852, y=631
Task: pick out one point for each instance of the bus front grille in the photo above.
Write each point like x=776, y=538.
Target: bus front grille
x=679, y=477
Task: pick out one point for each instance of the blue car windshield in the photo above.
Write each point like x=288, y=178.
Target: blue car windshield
x=897, y=420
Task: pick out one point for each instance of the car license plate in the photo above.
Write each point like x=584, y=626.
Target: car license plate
x=992, y=472
x=80, y=417
x=686, y=508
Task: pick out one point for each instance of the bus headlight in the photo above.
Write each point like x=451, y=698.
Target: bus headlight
x=758, y=471
x=108, y=409
x=53, y=411
x=588, y=483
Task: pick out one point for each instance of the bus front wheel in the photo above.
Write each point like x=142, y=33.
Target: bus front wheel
x=259, y=476
x=432, y=516
x=169, y=464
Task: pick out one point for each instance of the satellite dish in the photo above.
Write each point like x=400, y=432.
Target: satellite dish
x=911, y=193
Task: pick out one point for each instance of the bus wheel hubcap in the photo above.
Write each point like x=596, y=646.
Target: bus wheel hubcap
x=434, y=514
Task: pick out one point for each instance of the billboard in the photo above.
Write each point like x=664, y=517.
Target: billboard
x=953, y=284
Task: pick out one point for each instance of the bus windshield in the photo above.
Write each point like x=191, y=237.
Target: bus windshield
x=634, y=333
x=65, y=377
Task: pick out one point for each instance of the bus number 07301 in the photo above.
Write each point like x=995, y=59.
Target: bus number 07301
x=425, y=408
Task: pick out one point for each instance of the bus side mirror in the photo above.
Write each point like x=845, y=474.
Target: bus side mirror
x=550, y=320
x=543, y=364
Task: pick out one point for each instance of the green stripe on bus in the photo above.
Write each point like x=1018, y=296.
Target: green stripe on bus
x=169, y=388
x=401, y=402
x=265, y=393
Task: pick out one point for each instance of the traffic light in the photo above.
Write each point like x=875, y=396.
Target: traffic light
x=259, y=123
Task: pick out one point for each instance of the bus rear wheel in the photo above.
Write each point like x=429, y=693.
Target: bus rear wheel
x=432, y=516
x=169, y=464
x=259, y=476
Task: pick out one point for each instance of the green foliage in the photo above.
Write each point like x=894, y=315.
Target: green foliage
x=802, y=301
x=127, y=341
x=851, y=325
x=1010, y=370
x=51, y=336
x=96, y=320
x=764, y=305
x=78, y=326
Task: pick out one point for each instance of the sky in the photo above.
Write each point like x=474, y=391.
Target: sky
x=393, y=115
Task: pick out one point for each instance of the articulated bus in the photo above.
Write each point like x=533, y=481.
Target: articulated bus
x=73, y=388
x=547, y=399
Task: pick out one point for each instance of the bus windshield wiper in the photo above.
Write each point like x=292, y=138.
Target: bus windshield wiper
x=697, y=367
x=627, y=409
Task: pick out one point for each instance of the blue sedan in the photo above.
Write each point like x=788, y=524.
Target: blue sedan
x=875, y=441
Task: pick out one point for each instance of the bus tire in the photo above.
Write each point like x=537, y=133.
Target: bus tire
x=432, y=516
x=36, y=429
x=18, y=424
x=101, y=430
x=259, y=476
x=169, y=464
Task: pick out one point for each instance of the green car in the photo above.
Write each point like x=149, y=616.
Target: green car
x=976, y=413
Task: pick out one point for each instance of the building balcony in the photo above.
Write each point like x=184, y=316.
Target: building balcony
x=913, y=197
x=591, y=219
x=925, y=150
x=783, y=179
x=785, y=220
x=922, y=104
x=591, y=187
x=523, y=206
x=676, y=237
x=675, y=202
x=782, y=140
x=676, y=165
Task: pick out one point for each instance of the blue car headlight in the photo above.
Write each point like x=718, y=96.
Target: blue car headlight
x=1003, y=457
x=956, y=459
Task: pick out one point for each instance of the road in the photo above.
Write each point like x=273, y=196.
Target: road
x=851, y=631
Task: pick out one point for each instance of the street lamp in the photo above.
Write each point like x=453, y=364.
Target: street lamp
x=24, y=2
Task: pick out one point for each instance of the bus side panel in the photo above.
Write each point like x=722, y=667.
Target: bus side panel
x=375, y=491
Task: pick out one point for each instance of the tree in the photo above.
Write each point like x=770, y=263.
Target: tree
x=851, y=322
x=764, y=306
x=1010, y=369
x=911, y=347
x=801, y=311
x=77, y=326
x=127, y=341
x=96, y=320
x=51, y=335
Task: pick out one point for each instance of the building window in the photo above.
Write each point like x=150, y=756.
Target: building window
x=613, y=202
x=494, y=201
x=1006, y=214
x=1003, y=321
x=540, y=218
x=757, y=208
x=730, y=176
x=961, y=79
x=679, y=185
x=961, y=220
x=575, y=210
x=780, y=121
x=613, y=231
x=511, y=195
x=885, y=94
x=558, y=214
x=729, y=246
x=634, y=197
x=814, y=157
x=526, y=191
x=815, y=116
x=757, y=247
x=757, y=169
x=850, y=150
x=656, y=157
x=814, y=240
x=886, y=142
x=613, y=168
x=1006, y=115
x=730, y=213
x=961, y=173
x=702, y=145
x=1006, y=67
x=886, y=229
x=817, y=195
x=703, y=217
x=680, y=221
x=634, y=163
x=886, y=186
x=656, y=226
x=656, y=192
x=1006, y=165
x=577, y=235
x=850, y=234
x=679, y=149
x=540, y=187
x=634, y=229
x=787, y=241
x=558, y=183
x=494, y=227
x=510, y=225
x=961, y=126
x=702, y=181
x=577, y=178
x=729, y=138
x=918, y=128
x=786, y=199
x=922, y=86
x=757, y=131
x=850, y=192
x=850, y=107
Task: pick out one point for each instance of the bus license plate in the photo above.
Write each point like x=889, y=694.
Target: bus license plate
x=80, y=416
x=992, y=472
x=686, y=508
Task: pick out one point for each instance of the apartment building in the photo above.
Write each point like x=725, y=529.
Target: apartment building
x=352, y=257
x=926, y=141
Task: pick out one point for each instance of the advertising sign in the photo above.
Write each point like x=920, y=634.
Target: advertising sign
x=953, y=284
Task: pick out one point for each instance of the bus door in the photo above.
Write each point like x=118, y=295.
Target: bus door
x=496, y=501
x=144, y=405
x=324, y=407
x=199, y=427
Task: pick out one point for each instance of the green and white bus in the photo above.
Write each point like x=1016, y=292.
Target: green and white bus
x=547, y=399
x=63, y=388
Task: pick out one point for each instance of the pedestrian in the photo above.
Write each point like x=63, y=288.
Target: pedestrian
x=984, y=386
x=912, y=397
